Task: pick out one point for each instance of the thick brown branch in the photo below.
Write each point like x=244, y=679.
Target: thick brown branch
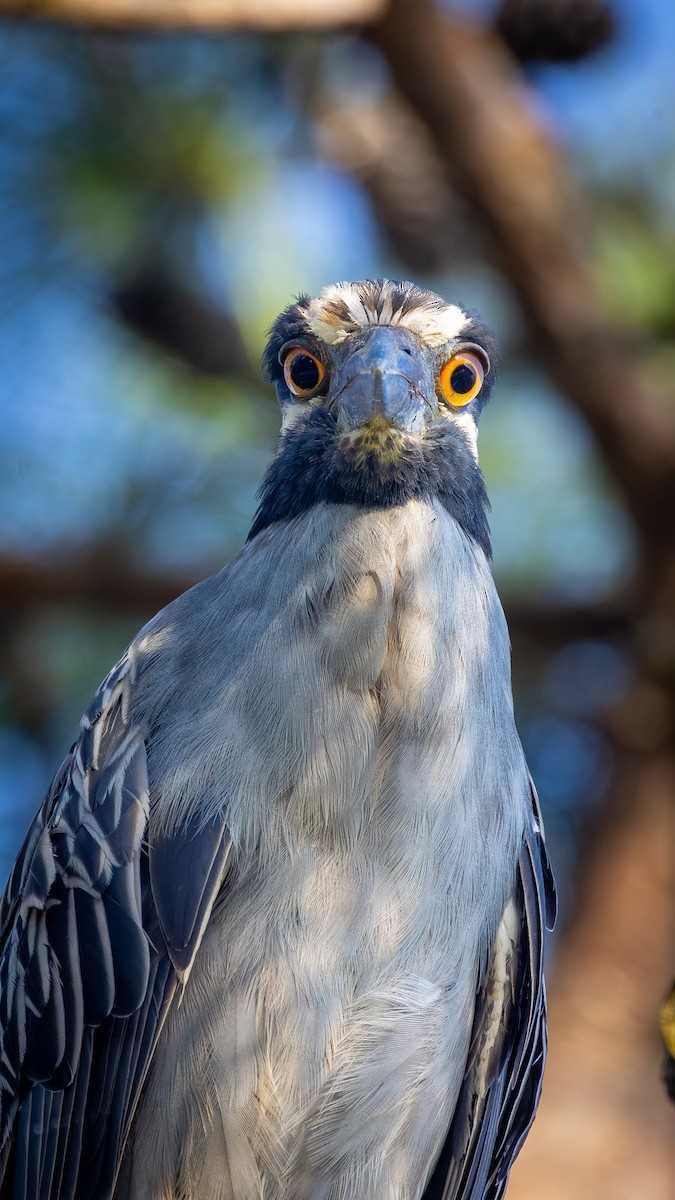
x=171, y=315
x=257, y=15
x=551, y=625
x=100, y=578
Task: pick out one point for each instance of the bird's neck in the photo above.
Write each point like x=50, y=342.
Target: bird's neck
x=316, y=465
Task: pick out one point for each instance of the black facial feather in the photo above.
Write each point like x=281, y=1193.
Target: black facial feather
x=317, y=464
x=289, y=325
x=480, y=332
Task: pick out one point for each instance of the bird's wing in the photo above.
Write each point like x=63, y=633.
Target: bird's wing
x=98, y=926
x=502, y=1084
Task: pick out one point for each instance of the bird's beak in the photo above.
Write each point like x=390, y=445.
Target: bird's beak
x=386, y=382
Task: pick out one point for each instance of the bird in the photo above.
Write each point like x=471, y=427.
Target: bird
x=277, y=931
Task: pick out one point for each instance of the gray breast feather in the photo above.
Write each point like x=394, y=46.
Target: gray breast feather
x=328, y=729
x=377, y=799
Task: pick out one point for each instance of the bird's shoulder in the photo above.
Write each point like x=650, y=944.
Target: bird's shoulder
x=96, y=933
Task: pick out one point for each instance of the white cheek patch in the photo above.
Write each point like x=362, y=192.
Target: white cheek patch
x=467, y=427
x=344, y=308
x=291, y=414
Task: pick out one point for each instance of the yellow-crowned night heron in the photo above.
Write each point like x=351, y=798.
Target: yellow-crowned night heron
x=276, y=933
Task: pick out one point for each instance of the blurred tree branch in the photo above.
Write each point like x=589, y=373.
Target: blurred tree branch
x=98, y=577
x=260, y=15
x=383, y=142
x=165, y=311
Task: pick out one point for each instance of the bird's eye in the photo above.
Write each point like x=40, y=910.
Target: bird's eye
x=461, y=378
x=303, y=372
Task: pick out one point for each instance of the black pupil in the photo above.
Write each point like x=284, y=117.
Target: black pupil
x=305, y=373
x=463, y=378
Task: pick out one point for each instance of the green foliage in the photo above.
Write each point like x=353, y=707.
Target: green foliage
x=635, y=266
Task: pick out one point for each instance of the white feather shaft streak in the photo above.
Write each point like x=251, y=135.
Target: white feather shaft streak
x=505, y=941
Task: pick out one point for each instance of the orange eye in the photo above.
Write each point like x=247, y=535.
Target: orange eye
x=303, y=372
x=461, y=378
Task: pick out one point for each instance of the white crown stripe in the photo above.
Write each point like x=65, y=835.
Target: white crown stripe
x=345, y=307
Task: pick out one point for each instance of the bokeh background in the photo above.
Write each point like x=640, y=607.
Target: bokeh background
x=170, y=175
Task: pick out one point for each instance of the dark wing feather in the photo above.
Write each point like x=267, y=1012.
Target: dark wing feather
x=99, y=924
x=502, y=1085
